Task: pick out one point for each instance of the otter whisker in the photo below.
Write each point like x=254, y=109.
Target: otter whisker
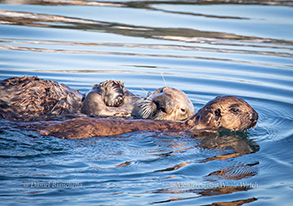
x=163, y=79
x=147, y=93
x=145, y=108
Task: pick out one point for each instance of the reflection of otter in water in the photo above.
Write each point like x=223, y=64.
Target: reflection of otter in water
x=164, y=104
x=230, y=147
x=221, y=146
x=223, y=112
x=31, y=98
x=109, y=98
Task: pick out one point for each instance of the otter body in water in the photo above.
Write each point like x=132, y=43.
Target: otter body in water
x=32, y=98
x=164, y=104
x=223, y=112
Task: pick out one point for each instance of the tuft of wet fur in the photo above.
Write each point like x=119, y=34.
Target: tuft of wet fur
x=32, y=98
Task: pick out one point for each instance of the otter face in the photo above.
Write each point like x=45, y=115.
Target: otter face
x=165, y=104
x=112, y=92
x=226, y=112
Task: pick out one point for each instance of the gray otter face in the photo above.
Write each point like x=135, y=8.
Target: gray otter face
x=226, y=112
x=112, y=92
x=165, y=104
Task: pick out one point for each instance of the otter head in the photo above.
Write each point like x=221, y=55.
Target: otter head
x=164, y=104
x=112, y=92
x=226, y=112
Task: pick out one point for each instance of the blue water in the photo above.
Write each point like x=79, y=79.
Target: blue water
x=204, y=48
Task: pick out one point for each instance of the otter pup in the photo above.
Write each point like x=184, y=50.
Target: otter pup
x=227, y=112
x=112, y=92
x=32, y=98
x=109, y=98
x=164, y=104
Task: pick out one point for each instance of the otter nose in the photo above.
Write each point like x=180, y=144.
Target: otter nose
x=254, y=116
x=160, y=105
x=161, y=102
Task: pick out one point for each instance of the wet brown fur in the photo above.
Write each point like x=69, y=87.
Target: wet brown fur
x=32, y=98
x=227, y=112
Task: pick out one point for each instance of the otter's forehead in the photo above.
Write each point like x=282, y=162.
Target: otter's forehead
x=173, y=91
x=176, y=94
x=228, y=102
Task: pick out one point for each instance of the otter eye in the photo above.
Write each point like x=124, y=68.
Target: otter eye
x=182, y=110
x=163, y=109
x=234, y=110
x=217, y=114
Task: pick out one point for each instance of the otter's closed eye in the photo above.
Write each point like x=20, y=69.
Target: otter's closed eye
x=217, y=114
x=234, y=110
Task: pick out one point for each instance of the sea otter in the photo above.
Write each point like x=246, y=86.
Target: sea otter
x=109, y=98
x=164, y=104
x=226, y=112
x=112, y=99
x=32, y=98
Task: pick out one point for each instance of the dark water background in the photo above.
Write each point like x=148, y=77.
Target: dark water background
x=205, y=48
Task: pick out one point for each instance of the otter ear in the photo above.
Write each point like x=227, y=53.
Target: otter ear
x=101, y=84
x=95, y=87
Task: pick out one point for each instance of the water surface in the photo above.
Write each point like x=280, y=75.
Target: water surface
x=204, y=48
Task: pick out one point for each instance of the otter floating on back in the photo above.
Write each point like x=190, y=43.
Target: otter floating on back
x=31, y=98
x=226, y=112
